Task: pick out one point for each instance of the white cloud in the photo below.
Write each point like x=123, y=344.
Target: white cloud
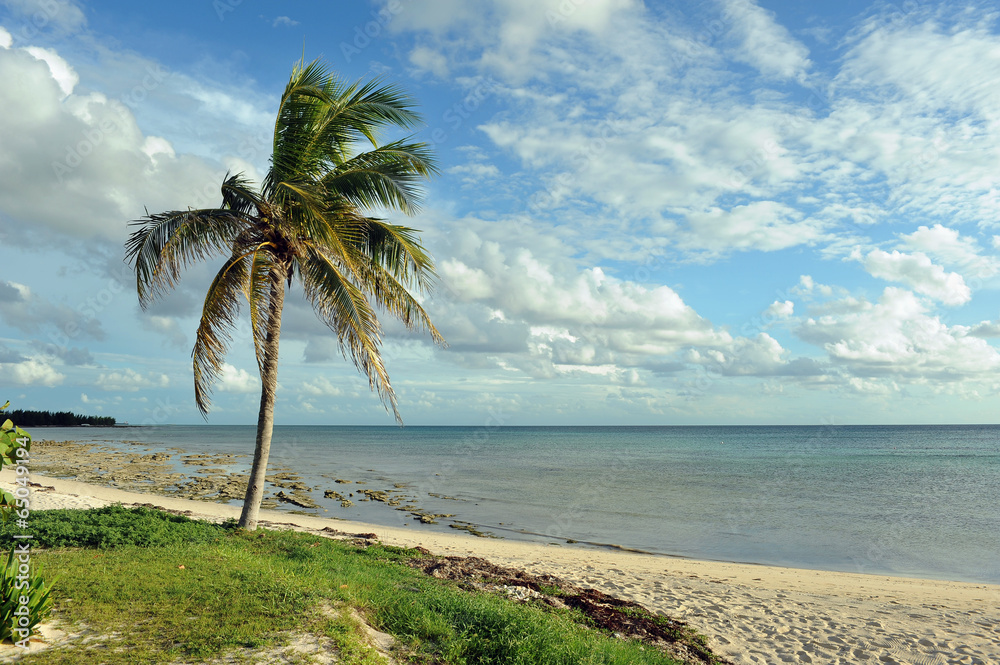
x=945, y=243
x=507, y=35
x=85, y=154
x=235, y=380
x=763, y=42
x=897, y=337
x=64, y=75
x=31, y=372
x=430, y=59
x=284, y=21
x=951, y=247
x=780, y=309
x=918, y=272
x=465, y=282
x=903, y=110
x=872, y=387
x=321, y=387
x=129, y=380
x=5, y=38
x=985, y=329
x=762, y=225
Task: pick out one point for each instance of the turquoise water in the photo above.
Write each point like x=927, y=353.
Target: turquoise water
x=903, y=500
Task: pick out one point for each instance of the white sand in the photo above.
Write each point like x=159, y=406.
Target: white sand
x=752, y=614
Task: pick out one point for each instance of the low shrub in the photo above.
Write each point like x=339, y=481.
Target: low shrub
x=114, y=526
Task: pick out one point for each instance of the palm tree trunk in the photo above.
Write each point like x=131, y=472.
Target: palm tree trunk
x=265, y=418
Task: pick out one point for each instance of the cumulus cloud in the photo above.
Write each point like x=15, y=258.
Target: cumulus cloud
x=918, y=272
x=31, y=372
x=235, y=380
x=85, y=153
x=63, y=74
x=129, y=380
x=284, y=21
x=538, y=316
x=897, y=337
x=951, y=247
x=780, y=309
x=985, y=329
x=5, y=38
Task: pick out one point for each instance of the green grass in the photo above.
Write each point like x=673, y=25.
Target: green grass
x=253, y=590
x=113, y=526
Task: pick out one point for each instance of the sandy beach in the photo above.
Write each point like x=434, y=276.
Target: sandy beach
x=751, y=613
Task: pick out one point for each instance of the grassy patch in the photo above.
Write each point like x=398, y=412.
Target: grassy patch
x=113, y=526
x=193, y=600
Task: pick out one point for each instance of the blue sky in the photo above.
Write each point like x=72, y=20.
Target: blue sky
x=696, y=213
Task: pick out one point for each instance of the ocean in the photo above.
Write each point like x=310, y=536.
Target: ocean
x=919, y=501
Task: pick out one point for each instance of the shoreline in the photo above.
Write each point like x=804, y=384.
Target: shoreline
x=752, y=613
x=172, y=466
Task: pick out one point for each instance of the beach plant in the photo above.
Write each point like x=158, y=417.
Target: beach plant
x=15, y=445
x=25, y=599
x=15, y=587
x=310, y=220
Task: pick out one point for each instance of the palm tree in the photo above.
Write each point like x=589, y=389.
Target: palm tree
x=306, y=221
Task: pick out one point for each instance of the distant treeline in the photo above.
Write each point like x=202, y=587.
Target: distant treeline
x=57, y=419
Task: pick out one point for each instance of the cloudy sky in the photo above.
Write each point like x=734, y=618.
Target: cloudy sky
x=720, y=212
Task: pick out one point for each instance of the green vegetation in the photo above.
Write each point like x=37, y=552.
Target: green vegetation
x=207, y=591
x=114, y=526
x=15, y=446
x=308, y=221
x=57, y=419
x=25, y=600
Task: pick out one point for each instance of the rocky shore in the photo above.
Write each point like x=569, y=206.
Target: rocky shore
x=212, y=477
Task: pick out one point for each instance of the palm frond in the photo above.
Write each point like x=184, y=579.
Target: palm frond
x=388, y=176
x=219, y=314
x=168, y=242
x=393, y=296
x=343, y=307
x=397, y=249
x=239, y=196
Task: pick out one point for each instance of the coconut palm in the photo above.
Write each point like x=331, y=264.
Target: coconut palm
x=308, y=221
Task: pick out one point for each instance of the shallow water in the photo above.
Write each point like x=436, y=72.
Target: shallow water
x=904, y=500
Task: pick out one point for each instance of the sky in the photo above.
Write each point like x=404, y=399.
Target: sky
x=722, y=212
